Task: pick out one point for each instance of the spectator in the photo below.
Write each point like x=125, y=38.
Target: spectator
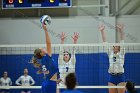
x=5, y=81
x=25, y=80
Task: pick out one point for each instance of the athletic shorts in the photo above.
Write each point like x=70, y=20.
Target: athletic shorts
x=116, y=79
x=4, y=90
x=25, y=90
x=49, y=86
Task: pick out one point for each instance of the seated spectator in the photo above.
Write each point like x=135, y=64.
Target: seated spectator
x=25, y=80
x=5, y=81
x=70, y=82
x=130, y=87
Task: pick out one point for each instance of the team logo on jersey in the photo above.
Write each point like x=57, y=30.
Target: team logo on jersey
x=44, y=70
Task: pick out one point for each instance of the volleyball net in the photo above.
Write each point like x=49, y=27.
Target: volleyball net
x=92, y=63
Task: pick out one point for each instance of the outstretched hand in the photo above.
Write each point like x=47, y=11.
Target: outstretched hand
x=63, y=37
x=120, y=28
x=75, y=37
x=101, y=27
x=44, y=27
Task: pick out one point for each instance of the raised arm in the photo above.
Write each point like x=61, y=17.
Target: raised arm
x=48, y=40
x=120, y=28
x=101, y=29
x=75, y=38
x=62, y=37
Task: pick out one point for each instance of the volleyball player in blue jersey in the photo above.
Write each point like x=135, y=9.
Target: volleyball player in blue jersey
x=48, y=67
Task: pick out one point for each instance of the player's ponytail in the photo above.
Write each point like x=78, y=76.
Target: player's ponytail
x=36, y=64
x=37, y=53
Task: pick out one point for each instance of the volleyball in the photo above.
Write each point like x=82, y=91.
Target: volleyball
x=46, y=19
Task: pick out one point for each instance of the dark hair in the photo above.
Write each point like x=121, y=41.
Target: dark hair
x=37, y=53
x=70, y=81
x=130, y=86
x=5, y=72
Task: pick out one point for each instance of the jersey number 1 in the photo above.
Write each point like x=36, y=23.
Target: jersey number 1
x=67, y=69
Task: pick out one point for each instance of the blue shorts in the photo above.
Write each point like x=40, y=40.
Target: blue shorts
x=4, y=90
x=49, y=86
x=25, y=90
x=116, y=79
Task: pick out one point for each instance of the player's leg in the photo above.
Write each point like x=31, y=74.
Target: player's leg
x=23, y=91
x=121, y=90
x=28, y=91
x=112, y=82
x=112, y=90
x=121, y=83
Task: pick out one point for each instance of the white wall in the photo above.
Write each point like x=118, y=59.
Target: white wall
x=132, y=28
x=92, y=10
x=28, y=31
x=137, y=11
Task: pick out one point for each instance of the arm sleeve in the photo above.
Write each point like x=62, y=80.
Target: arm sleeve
x=60, y=58
x=32, y=80
x=122, y=48
x=18, y=80
x=10, y=81
x=0, y=82
x=73, y=58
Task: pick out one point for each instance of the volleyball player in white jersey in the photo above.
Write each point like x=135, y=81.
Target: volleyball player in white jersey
x=66, y=59
x=116, y=62
x=5, y=81
x=25, y=80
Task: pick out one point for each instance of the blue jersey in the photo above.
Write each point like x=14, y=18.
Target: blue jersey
x=48, y=65
x=72, y=91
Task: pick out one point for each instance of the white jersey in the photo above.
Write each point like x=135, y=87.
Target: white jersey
x=5, y=82
x=66, y=67
x=116, y=63
x=25, y=80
